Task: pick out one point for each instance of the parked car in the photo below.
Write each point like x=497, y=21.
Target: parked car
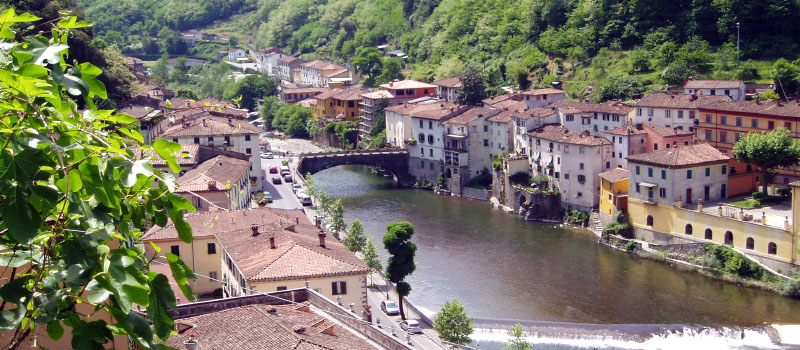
x=273, y=170
x=288, y=178
x=305, y=199
x=411, y=326
x=296, y=187
x=390, y=308
x=267, y=155
x=276, y=180
x=285, y=170
x=268, y=197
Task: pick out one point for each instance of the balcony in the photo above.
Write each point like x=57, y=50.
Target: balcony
x=456, y=149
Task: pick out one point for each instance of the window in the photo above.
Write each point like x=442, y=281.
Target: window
x=637, y=169
x=196, y=140
x=430, y=125
x=649, y=172
x=691, y=114
x=558, y=160
x=649, y=112
x=650, y=220
x=557, y=175
x=422, y=164
x=655, y=147
x=708, y=118
x=175, y=250
x=613, y=154
x=755, y=123
x=212, y=248
x=662, y=192
x=339, y=287
x=688, y=174
x=431, y=163
x=727, y=92
x=713, y=92
x=637, y=188
x=772, y=248
x=430, y=152
x=174, y=140
x=738, y=121
x=688, y=229
x=680, y=114
x=770, y=125
x=281, y=288
x=566, y=149
x=580, y=194
x=421, y=125
x=421, y=137
x=485, y=128
x=738, y=137
x=608, y=165
x=581, y=178
x=724, y=169
x=723, y=137
x=663, y=174
x=787, y=125
x=750, y=243
x=566, y=176
x=639, y=111
x=248, y=151
x=485, y=142
x=668, y=113
x=422, y=151
x=247, y=137
x=729, y=238
x=708, y=135
x=212, y=274
x=580, y=151
x=430, y=139
x=570, y=117
x=709, y=234
x=708, y=171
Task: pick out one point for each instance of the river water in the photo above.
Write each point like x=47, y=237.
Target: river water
x=500, y=266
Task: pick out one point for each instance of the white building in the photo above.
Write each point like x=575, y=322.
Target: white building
x=525, y=121
x=672, y=110
x=236, y=53
x=468, y=146
x=571, y=161
x=447, y=89
x=592, y=117
x=542, y=97
x=733, y=88
x=267, y=60
x=228, y=133
x=286, y=64
x=626, y=141
x=679, y=174
x=318, y=73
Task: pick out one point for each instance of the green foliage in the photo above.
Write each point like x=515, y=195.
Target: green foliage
x=520, y=178
x=640, y=61
x=453, y=324
x=618, y=87
x=768, y=151
x=355, y=240
x=630, y=246
x=391, y=70
x=785, y=76
x=251, y=89
x=473, y=89
x=289, y=119
x=73, y=196
x=576, y=217
x=770, y=96
x=336, y=218
x=368, y=62
x=482, y=180
x=518, y=341
x=620, y=226
x=733, y=262
x=497, y=160
x=371, y=258
x=378, y=141
x=397, y=241
x=791, y=288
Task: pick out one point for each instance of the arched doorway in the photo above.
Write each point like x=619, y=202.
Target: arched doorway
x=709, y=234
x=772, y=248
x=688, y=229
x=750, y=243
x=729, y=238
x=650, y=220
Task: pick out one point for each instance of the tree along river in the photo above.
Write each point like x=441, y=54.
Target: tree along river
x=500, y=266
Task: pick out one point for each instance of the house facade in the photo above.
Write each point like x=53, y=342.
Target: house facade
x=526, y=121
x=221, y=182
x=592, y=117
x=613, y=193
x=542, y=97
x=467, y=149
x=733, y=88
x=672, y=110
x=286, y=65
x=447, y=89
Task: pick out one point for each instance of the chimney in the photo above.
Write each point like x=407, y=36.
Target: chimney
x=318, y=221
x=255, y=230
x=230, y=121
x=321, y=236
x=212, y=185
x=272, y=242
x=693, y=97
x=758, y=99
x=204, y=122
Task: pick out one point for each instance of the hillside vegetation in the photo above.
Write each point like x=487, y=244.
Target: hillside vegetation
x=652, y=41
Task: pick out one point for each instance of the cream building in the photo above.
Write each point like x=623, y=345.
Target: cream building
x=221, y=183
x=672, y=110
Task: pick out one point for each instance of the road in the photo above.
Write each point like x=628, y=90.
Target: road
x=284, y=198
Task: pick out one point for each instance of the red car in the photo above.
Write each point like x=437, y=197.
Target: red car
x=276, y=180
x=273, y=170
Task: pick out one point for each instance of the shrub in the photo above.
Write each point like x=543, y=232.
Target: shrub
x=710, y=261
x=759, y=195
x=631, y=246
x=790, y=288
x=520, y=178
x=784, y=192
x=735, y=263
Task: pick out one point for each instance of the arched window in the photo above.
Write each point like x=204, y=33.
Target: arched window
x=709, y=234
x=688, y=229
x=447, y=173
x=750, y=243
x=772, y=248
x=729, y=238
x=649, y=220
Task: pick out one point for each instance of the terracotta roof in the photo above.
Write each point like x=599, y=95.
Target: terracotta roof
x=137, y=112
x=187, y=156
x=335, y=72
x=288, y=59
x=177, y=103
x=378, y=95
x=712, y=84
x=215, y=174
x=682, y=101
x=259, y=326
x=512, y=105
x=350, y=95
x=297, y=253
x=502, y=117
x=304, y=90
x=610, y=108
x=545, y=91
x=454, y=82
x=541, y=112
x=471, y=115
x=614, y=175
x=625, y=130
x=327, y=94
x=665, y=131
x=499, y=98
x=322, y=65
x=560, y=134
x=681, y=156
x=210, y=126
x=434, y=111
x=209, y=223
x=791, y=109
x=407, y=84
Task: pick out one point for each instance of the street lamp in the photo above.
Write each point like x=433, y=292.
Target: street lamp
x=737, y=43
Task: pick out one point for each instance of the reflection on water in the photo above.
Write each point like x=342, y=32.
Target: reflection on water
x=502, y=267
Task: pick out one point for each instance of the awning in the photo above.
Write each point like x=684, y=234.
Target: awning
x=549, y=161
x=647, y=184
x=537, y=156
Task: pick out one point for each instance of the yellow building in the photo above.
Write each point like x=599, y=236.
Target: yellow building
x=338, y=104
x=613, y=192
x=324, y=103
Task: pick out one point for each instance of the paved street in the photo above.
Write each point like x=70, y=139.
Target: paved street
x=284, y=198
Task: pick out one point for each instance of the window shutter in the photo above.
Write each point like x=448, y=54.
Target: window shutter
x=343, y=286
x=335, y=288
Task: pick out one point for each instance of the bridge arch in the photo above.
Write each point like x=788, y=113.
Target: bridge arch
x=394, y=161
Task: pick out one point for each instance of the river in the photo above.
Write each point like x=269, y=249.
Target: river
x=500, y=266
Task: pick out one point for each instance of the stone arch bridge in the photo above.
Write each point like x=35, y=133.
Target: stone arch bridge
x=394, y=161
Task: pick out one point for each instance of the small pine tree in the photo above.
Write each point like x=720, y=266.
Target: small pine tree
x=355, y=240
x=336, y=210
x=453, y=324
x=517, y=339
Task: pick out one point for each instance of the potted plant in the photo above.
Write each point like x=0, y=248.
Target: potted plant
x=190, y=343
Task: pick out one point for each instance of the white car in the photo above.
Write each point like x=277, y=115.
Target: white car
x=390, y=308
x=267, y=155
x=296, y=187
x=411, y=326
x=305, y=199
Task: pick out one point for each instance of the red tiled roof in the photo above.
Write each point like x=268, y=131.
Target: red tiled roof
x=681, y=156
x=610, y=108
x=471, y=115
x=433, y=111
x=322, y=65
x=625, y=130
x=614, y=175
x=137, y=112
x=791, y=109
x=499, y=98
x=545, y=91
x=213, y=126
x=454, y=82
x=560, y=134
x=210, y=223
x=327, y=94
x=540, y=112
x=665, y=131
x=221, y=171
x=350, y=95
x=187, y=156
x=254, y=327
x=407, y=84
x=304, y=90
x=712, y=84
x=502, y=117
x=682, y=101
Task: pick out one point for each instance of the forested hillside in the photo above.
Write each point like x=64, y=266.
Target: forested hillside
x=660, y=41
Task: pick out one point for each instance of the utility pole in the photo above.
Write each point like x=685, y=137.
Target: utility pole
x=737, y=43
